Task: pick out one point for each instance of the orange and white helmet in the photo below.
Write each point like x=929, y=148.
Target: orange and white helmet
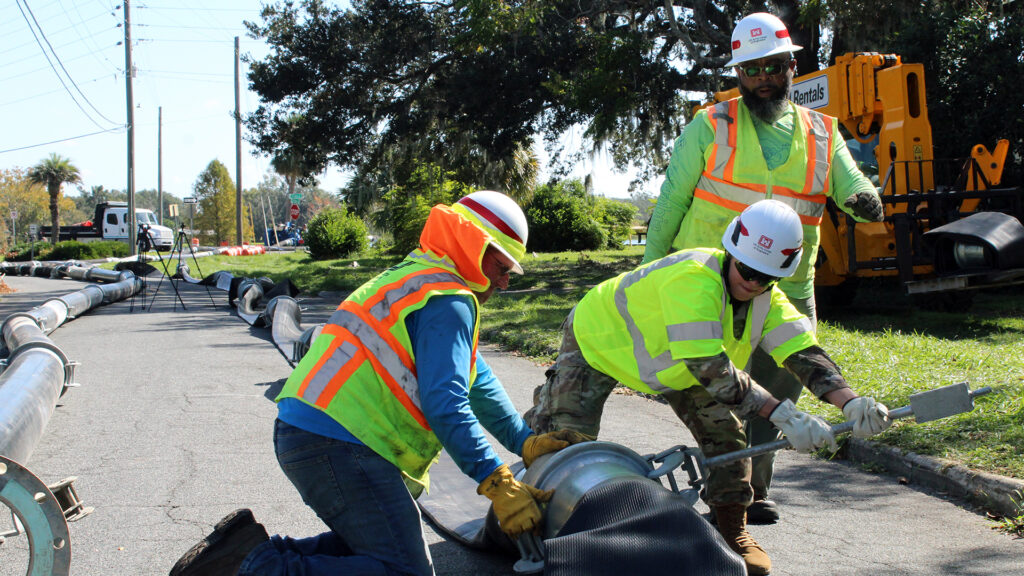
x=760, y=35
x=767, y=236
x=501, y=218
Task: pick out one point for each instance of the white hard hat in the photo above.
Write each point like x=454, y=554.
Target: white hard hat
x=767, y=237
x=501, y=218
x=760, y=35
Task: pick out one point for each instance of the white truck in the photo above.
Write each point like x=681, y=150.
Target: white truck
x=110, y=223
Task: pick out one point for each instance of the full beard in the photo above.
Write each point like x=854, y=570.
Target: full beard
x=768, y=109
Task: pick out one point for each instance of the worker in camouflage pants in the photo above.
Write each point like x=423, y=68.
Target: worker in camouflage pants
x=685, y=326
x=574, y=395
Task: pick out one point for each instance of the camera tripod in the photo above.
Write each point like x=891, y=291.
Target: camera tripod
x=180, y=241
x=144, y=243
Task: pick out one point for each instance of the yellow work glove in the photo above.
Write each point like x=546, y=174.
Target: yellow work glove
x=515, y=503
x=537, y=445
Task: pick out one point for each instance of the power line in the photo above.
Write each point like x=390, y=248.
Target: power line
x=104, y=131
x=25, y=2
x=19, y=46
x=196, y=9
x=187, y=27
x=95, y=46
x=34, y=96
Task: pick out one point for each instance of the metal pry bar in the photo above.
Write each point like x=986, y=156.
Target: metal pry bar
x=924, y=407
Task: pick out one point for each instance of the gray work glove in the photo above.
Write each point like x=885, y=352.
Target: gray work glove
x=805, y=432
x=868, y=416
x=866, y=206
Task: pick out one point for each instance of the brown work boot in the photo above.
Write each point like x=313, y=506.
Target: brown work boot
x=222, y=551
x=732, y=523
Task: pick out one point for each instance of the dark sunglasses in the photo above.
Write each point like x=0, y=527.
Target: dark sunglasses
x=751, y=275
x=771, y=68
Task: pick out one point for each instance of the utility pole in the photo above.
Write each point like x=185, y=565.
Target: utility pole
x=238, y=155
x=160, y=165
x=128, y=72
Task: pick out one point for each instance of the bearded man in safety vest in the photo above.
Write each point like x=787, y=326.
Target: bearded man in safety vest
x=685, y=326
x=394, y=377
x=760, y=145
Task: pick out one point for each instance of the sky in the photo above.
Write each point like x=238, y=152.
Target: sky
x=63, y=90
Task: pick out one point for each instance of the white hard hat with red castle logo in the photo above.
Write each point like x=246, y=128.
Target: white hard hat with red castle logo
x=760, y=35
x=767, y=236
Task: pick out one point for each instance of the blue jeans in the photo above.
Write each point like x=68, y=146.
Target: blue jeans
x=375, y=525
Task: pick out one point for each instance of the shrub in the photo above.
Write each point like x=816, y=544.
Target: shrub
x=334, y=233
x=561, y=217
x=617, y=219
x=72, y=250
x=75, y=250
x=25, y=251
x=406, y=207
x=406, y=222
x=111, y=249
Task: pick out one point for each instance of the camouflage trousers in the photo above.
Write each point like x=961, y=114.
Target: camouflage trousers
x=782, y=384
x=573, y=398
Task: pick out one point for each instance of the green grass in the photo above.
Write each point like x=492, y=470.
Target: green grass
x=1014, y=523
x=890, y=350
x=886, y=347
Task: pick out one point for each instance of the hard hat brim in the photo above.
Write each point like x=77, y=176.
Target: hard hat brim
x=517, y=269
x=780, y=50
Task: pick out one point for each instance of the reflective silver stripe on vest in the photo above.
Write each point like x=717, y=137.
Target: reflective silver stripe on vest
x=341, y=356
x=786, y=332
x=376, y=345
x=424, y=258
x=694, y=331
x=759, y=308
x=382, y=309
x=821, y=154
x=648, y=366
x=731, y=192
x=802, y=207
x=723, y=152
x=746, y=197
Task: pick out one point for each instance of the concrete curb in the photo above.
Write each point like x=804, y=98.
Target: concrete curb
x=990, y=491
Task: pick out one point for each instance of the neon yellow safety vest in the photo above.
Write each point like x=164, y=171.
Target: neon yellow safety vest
x=736, y=175
x=639, y=326
x=361, y=371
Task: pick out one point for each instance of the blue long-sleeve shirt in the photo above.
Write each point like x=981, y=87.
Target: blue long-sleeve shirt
x=442, y=340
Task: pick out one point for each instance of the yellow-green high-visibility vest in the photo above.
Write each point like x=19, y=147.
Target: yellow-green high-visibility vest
x=639, y=326
x=361, y=370
x=736, y=175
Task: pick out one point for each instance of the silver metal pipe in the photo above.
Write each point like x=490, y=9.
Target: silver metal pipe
x=21, y=328
x=106, y=275
x=250, y=292
x=37, y=371
x=120, y=290
x=285, y=319
x=29, y=389
x=82, y=301
x=50, y=314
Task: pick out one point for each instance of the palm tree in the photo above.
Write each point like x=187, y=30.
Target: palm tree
x=53, y=172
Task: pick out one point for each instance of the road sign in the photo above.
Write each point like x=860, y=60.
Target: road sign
x=190, y=200
x=295, y=197
x=14, y=214
x=294, y=211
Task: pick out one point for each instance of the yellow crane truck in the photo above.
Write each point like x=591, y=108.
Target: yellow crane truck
x=949, y=227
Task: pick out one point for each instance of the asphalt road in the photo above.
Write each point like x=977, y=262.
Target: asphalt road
x=171, y=429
